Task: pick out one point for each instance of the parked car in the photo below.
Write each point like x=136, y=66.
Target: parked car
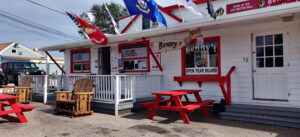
x=12, y=70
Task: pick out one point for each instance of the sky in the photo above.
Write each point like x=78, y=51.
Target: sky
x=32, y=38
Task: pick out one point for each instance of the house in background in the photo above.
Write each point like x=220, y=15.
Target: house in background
x=14, y=52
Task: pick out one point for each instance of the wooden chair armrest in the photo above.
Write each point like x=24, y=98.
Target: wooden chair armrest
x=57, y=92
x=22, y=87
x=5, y=86
x=84, y=93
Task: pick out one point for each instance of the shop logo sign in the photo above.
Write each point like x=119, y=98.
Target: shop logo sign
x=168, y=45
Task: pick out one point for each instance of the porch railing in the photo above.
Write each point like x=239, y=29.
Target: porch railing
x=107, y=87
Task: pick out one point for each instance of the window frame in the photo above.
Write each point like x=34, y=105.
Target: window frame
x=206, y=39
x=147, y=44
x=72, y=63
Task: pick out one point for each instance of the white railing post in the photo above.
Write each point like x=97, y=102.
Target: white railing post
x=45, y=88
x=118, y=88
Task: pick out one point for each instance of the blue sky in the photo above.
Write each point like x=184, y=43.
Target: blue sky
x=31, y=38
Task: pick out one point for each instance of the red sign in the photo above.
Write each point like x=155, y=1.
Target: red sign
x=254, y=4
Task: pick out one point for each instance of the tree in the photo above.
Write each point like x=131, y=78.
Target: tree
x=102, y=19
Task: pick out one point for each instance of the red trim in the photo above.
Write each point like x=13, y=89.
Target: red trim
x=173, y=7
x=130, y=23
x=54, y=62
x=71, y=56
x=171, y=15
x=155, y=59
x=183, y=73
x=145, y=42
x=197, y=2
x=122, y=17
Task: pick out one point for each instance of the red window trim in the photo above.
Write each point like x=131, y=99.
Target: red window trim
x=145, y=42
x=217, y=38
x=71, y=56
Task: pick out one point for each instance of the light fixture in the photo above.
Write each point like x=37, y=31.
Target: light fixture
x=287, y=17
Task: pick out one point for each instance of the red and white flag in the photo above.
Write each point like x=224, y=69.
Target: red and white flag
x=95, y=35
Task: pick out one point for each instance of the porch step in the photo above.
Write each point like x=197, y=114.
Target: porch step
x=109, y=107
x=265, y=110
x=36, y=97
x=278, y=116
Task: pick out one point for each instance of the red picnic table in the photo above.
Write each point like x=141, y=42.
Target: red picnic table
x=17, y=108
x=174, y=103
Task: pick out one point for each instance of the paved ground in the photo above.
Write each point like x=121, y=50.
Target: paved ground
x=43, y=123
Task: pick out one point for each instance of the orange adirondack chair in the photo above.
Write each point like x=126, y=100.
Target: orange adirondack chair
x=23, y=90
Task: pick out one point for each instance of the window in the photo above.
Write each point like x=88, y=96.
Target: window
x=135, y=57
x=80, y=61
x=202, y=59
x=13, y=51
x=269, y=51
x=147, y=23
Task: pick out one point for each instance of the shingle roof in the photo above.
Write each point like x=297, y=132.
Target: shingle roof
x=4, y=45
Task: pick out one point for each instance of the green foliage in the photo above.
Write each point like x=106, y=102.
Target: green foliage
x=102, y=19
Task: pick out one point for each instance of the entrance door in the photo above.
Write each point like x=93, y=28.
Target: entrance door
x=104, y=61
x=270, y=66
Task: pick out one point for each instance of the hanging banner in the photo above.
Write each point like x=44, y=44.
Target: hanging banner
x=254, y=4
x=168, y=45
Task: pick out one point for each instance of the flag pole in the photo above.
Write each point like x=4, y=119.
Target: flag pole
x=130, y=17
x=180, y=11
x=116, y=28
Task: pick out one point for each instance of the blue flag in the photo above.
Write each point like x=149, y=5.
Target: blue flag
x=147, y=8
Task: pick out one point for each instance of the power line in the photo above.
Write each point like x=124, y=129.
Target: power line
x=16, y=26
x=57, y=11
x=35, y=25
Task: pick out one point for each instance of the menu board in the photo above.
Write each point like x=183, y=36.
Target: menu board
x=136, y=51
x=81, y=56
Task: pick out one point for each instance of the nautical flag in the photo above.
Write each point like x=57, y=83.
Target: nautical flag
x=94, y=33
x=147, y=8
x=112, y=19
x=190, y=5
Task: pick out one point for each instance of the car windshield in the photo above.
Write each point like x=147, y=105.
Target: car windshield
x=24, y=65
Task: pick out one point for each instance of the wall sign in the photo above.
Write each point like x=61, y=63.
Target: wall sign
x=154, y=66
x=168, y=45
x=254, y=4
x=137, y=51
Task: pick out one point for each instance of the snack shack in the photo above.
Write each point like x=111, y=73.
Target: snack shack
x=248, y=56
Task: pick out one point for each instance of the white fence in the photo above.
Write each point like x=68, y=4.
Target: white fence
x=107, y=87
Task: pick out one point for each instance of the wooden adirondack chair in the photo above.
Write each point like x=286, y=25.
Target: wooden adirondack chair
x=78, y=101
x=23, y=90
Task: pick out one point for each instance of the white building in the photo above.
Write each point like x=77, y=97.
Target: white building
x=262, y=43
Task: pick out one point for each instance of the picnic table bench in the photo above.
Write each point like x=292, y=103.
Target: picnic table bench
x=17, y=108
x=174, y=103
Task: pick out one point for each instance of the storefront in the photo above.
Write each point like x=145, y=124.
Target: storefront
x=262, y=45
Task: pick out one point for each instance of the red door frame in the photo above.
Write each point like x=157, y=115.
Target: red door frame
x=71, y=56
x=217, y=38
x=144, y=42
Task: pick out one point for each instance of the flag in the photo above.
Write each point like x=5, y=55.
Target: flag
x=94, y=33
x=112, y=19
x=211, y=10
x=190, y=5
x=147, y=8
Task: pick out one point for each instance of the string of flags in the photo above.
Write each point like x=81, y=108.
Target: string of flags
x=148, y=8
